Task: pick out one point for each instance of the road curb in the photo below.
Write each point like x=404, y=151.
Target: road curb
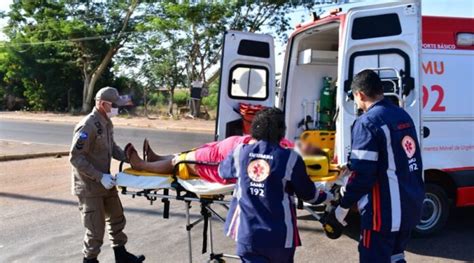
x=18, y=157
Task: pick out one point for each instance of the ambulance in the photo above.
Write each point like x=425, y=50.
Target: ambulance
x=426, y=65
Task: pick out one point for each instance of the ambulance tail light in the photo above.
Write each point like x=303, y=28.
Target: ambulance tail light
x=465, y=39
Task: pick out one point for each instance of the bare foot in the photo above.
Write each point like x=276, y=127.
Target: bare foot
x=151, y=156
x=135, y=161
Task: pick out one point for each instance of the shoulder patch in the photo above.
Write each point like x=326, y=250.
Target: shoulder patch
x=83, y=135
x=409, y=145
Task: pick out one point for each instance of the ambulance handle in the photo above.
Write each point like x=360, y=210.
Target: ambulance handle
x=426, y=132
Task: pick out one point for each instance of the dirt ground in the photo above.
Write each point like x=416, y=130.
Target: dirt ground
x=40, y=222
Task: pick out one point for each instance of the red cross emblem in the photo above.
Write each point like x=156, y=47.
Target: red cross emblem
x=409, y=146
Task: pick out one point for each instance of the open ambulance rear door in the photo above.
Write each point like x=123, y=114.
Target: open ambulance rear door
x=385, y=38
x=247, y=76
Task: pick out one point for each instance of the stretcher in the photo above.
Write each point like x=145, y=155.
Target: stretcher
x=192, y=189
x=188, y=189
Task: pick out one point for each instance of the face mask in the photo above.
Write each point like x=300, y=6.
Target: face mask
x=113, y=112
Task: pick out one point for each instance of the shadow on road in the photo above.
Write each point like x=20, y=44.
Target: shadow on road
x=73, y=203
x=455, y=241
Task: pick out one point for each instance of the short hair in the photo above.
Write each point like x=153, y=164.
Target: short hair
x=269, y=125
x=368, y=82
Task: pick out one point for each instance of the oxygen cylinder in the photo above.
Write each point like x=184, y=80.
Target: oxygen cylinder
x=326, y=104
x=327, y=96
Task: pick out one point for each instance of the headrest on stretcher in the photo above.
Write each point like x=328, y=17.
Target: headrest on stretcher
x=319, y=169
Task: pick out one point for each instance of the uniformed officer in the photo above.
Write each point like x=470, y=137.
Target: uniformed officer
x=92, y=149
x=386, y=179
x=262, y=216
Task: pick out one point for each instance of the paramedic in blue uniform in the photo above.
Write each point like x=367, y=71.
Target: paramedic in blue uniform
x=92, y=149
x=262, y=216
x=386, y=180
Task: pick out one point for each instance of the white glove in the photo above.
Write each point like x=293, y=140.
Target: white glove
x=341, y=214
x=108, y=181
x=344, y=170
x=329, y=198
x=342, y=191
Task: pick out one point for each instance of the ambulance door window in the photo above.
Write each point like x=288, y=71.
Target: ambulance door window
x=248, y=82
x=376, y=26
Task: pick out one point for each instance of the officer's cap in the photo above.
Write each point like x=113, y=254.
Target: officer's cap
x=111, y=95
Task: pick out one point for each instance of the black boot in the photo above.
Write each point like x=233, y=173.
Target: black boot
x=91, y=260
x=122, y=256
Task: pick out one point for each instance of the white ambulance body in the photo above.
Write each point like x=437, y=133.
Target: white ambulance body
x=431, y=79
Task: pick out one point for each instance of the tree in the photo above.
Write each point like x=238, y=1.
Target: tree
x=36, y=65
x=193, y=34
x=111, y=23
x=82, y=36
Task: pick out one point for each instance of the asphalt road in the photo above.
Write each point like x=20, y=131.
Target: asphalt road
x=39, y=222
x=61, y=134
x=39, y=219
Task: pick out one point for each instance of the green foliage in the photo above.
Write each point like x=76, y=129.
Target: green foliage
x=57, y=48
x=181, y=97
x=211, y=100
x=157, y=98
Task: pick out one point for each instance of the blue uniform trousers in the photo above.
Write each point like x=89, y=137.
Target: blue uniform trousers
x=383, y=247
x=250, y=254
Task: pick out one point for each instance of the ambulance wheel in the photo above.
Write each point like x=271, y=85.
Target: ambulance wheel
x=435, y=211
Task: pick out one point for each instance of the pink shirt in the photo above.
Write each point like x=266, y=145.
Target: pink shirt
x=216, y=152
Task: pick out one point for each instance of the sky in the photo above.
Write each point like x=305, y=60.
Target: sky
x=462, y=8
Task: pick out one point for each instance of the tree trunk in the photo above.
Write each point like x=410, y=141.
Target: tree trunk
x=86, y=104
x=89, y=83
x=170, y=102
x=145, y=102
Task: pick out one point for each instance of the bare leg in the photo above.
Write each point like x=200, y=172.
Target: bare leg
x=162, y=166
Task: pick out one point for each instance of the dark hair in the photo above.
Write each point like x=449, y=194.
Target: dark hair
x=269, y=125
x=368, y=82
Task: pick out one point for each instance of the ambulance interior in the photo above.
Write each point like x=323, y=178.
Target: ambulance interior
x=310, y=104
x=310, y=101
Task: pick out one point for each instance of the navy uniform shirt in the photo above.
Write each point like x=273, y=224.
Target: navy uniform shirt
x=387, y=169
x=262, y=213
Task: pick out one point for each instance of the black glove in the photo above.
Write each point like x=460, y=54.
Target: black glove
x=332, y=227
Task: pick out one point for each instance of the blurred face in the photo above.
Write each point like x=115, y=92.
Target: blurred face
x=308, y=149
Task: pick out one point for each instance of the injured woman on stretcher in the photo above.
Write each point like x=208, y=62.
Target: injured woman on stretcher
x=213, y=152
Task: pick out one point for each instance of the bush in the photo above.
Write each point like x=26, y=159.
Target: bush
x=211, y=100
x=157, y=98
x=181, y=97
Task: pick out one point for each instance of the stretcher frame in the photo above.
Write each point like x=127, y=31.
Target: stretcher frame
x=207, y=213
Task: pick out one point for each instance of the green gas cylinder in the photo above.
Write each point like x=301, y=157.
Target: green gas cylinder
x=326, y=104
x=326, y=100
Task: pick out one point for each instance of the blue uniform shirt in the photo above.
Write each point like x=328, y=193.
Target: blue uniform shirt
x=387, y=170
x=262, y=213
